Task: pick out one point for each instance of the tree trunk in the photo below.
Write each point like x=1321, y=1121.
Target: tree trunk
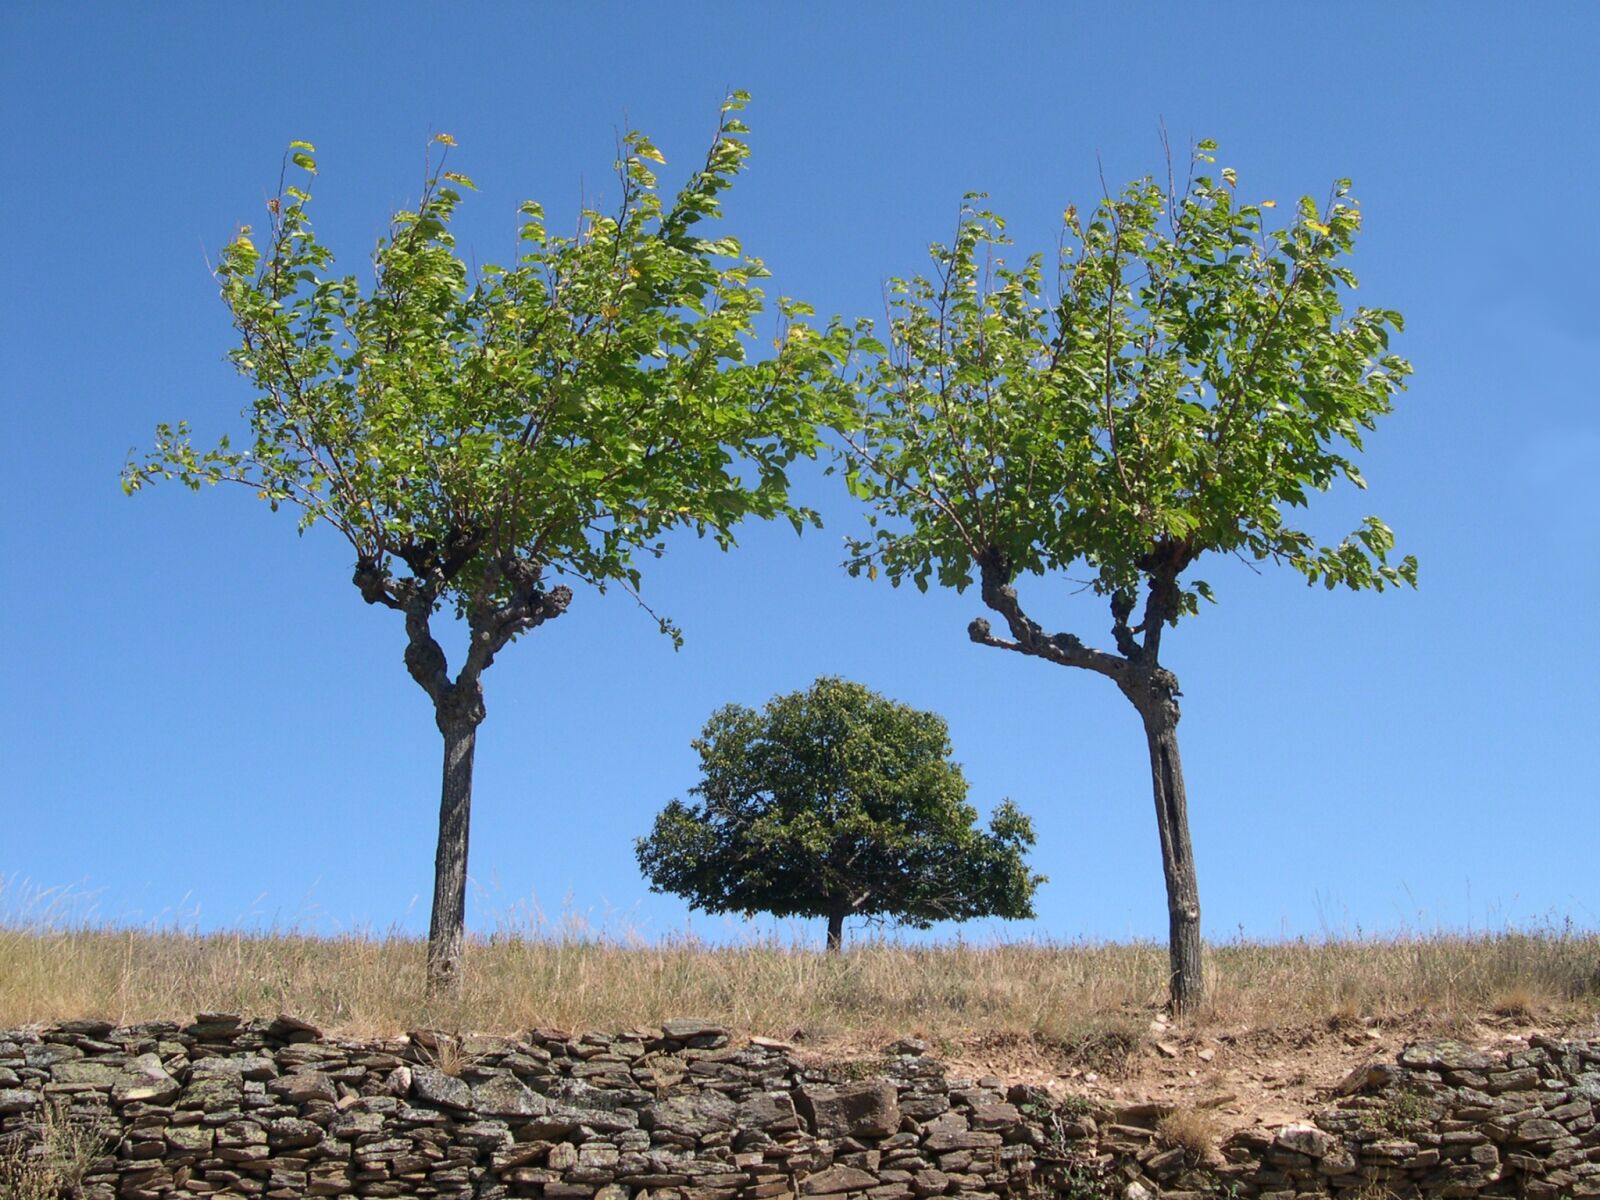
x=1187, y=983
x=836, y=930
x=447, y=931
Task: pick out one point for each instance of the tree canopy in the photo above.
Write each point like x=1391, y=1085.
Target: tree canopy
x=562, y=412
x=1178, y=379
x=1175, y=382
x=472, y=433
x=836, y=802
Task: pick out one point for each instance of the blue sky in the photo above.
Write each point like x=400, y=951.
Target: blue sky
x=202, y=723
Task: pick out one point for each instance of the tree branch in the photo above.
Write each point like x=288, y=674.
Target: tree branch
x=528, y=607
x=1062, y=648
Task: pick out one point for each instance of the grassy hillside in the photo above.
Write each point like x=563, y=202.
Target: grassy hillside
x=1061, y=996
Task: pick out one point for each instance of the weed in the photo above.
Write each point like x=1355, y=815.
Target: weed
x=1516, y=1003
x=54, y=1162
x=1402, y=1112
x=1193, y=1130
x=1082, y=1179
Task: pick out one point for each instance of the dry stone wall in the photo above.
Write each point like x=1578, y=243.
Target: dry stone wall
x=224, y=1106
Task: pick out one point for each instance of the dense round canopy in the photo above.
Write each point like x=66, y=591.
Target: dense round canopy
x=836, y=802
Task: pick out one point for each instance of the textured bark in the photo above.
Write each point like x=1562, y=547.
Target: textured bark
x=836, y=930
x=447, y=928
x=1153, y=691
x=457, y=704
x=1187, y=985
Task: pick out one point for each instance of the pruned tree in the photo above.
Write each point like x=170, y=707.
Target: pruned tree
x=480, y=437
x=1180, y=381
x=835, y=802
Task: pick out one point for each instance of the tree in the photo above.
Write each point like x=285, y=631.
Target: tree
x=472, y=434
x=836, y=802
x=1192, y=378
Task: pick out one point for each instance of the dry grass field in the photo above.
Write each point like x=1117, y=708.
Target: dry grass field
x=1064, y=998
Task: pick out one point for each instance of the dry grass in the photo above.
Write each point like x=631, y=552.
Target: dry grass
x=53, y=1161
x=1090, y=1001
x=1195, y=1131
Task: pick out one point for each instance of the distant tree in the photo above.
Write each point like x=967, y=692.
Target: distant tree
x=471, y=434
x=835, y=802
x=1187, y=378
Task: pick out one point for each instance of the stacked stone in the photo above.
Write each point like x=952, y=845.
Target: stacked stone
x=270, y=1108
x=225, y=1106
x=1446, y=1120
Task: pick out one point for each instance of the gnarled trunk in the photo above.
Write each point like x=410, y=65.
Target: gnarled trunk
x=457, y=704
x=1153, y=691
x=447, y=928
x=1187, y=983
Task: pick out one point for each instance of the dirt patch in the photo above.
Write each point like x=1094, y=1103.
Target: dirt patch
x=1242, y=1076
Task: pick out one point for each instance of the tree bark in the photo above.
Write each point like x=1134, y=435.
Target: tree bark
x=836, y=930
x=1187, y=982
x=447, y=928
x=457, y=704
x=1153, y=691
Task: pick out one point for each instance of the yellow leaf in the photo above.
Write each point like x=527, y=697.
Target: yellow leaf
x=648, y=151
x=444, y=138
x=1317, y=227
x=1269, y=204
x=1229, y=176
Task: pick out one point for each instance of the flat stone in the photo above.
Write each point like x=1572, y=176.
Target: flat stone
x=145, y=1079
x=85, y=1073
x=907, y=1048
x=87, y=1027
x=867, y=1109
x=1367, y=1077
x=302, y=1087
x=1537, y=1130
x=191, y=1139
x=684, y=1029
x=769, y=1112
x=694, y=1116
x=1305, y=1139
x=293, y=1029
x=947, y=1142
x=212, y=1094
x=239, y=1066
x=1444, y=1054
x=995, y=1116
x=504, y=1096
x=837, y=1179
x=433, y=1086
x=15, y=1100
x=292, y=1133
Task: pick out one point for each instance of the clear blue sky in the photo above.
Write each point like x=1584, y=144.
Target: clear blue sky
x=201, y=721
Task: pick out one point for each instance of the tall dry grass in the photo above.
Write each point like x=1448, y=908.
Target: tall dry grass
x=1062, y=994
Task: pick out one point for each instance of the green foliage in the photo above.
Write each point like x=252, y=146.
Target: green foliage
x=837, y=801
x=1178, y=379
x=564, y=411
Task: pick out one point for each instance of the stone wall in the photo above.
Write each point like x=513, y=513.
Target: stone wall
x=272, y=1108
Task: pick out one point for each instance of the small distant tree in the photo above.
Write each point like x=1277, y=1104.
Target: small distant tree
x=472, y=434
x=1179, y=381
x=835, y=802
